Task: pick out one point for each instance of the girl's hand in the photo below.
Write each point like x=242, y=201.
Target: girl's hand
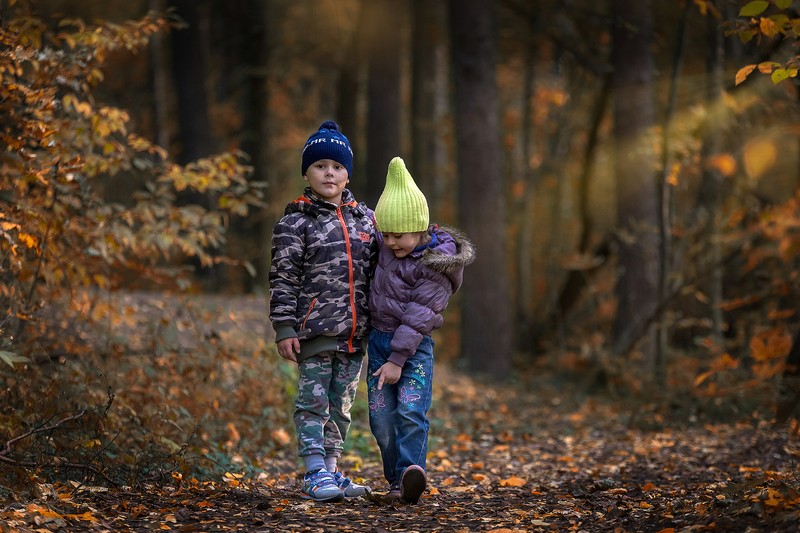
x=288, y=347
x=388, y=373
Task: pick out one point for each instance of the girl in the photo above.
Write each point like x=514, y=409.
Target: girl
x=419, y=268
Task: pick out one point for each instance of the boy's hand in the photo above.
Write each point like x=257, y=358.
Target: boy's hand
x=388, y=373
x=288, y=347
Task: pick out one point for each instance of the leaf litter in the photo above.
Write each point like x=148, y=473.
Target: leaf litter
x=501, y=458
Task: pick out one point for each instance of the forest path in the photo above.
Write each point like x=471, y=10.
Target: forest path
x=179, y=322
x=583, y=470
x=502, y=458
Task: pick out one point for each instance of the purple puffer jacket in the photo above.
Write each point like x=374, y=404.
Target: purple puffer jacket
x=408, y=295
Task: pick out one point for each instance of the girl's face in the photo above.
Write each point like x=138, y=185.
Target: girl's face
x=402, y=244
x=327, y=178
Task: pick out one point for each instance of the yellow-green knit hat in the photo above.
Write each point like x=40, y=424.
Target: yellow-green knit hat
x=402, y=208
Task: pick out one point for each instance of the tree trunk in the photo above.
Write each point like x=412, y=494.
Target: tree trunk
x=486, y=328
x=383, y=92
x=160, y=81
x=428, y=99
x=789, y=386
x=577, y=280
x=255, y=44
x=637, y=189
x=711, y=186
x=525, y=204
x=665, y=200
x=349, y=89
x=190, y=72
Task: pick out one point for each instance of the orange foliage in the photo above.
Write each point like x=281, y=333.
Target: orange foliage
x=771, y=344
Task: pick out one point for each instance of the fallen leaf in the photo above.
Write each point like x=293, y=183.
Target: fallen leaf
x=513, y=481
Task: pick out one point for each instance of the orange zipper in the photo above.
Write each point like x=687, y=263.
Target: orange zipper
x=350, y=277
x=310, y=307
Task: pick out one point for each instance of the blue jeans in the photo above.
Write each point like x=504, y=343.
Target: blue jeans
x=398, y=413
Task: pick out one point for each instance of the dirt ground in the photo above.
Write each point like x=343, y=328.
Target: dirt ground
x=502, y=458
x=540, y=468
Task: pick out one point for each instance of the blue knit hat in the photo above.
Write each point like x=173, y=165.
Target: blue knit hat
x=328, y=143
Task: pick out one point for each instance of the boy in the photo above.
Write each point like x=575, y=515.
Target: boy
x=322, y=254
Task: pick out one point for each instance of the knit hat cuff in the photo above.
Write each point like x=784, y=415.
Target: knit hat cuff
x=328, y=143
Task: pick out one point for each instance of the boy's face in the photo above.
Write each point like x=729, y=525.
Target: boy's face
x=327, y=178
x=401, y=244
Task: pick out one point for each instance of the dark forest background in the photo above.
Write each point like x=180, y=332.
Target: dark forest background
x=627, y=169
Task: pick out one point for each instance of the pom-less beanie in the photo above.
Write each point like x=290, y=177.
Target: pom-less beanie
x=328, y=143
x=402, y=208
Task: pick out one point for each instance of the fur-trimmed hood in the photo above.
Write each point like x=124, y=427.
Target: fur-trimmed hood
x=446, y=263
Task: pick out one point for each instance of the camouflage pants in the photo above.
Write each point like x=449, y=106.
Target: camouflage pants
x=325, y=394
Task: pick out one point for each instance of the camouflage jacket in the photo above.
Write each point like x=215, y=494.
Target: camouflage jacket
x=322, y=261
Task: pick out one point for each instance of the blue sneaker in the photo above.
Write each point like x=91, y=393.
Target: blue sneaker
x=347, y=487
x=321, y=486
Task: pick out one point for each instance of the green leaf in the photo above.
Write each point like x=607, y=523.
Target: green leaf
x=10, y=358
x=173, y=446
x=746, y=36
x=753, y=9
x=795, y=23
x=780, y=74
x=783, y=4
x=781, y=21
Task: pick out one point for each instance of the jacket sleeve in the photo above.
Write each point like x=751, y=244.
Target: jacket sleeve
x=429, y=297
x=376, y=243
x=285, y=274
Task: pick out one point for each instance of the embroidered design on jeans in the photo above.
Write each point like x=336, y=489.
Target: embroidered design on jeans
x=419, y=374
x=377, y=404
x=409, y=396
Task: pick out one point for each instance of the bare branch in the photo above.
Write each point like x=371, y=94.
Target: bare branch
x=57, y=463
x=10, y=444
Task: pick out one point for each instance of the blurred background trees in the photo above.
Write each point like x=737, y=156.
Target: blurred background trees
x=633, y=207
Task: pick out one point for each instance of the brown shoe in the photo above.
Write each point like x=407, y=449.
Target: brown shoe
x=392, y=496
x=412, y=484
